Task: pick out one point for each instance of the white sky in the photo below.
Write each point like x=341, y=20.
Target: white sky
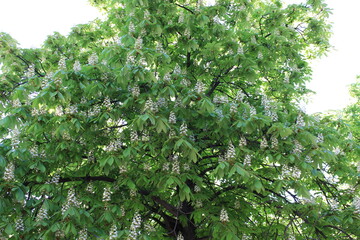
x=30, y=21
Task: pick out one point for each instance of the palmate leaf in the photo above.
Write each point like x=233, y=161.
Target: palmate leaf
x=174, y=119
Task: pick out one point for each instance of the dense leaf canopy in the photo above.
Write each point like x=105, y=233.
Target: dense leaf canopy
x=174, y=120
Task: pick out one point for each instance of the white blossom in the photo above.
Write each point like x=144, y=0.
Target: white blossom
x=220, y=99
x=16, y=103
x=197, y=188
x=134, y=228
x=166, y=167
x=274, y=142
x=320, y=138
x=82, y=234
x=62, y=63
x=237, y=204
x=300, y=121
x=77, y=66
x=200, y=87
x=247, y=160
x=106, y=195
x=224, y=216
x=134, y=136
x=135, y=91
x=264, y=143
x=179, y=236
x=175, y=167
x=107, y=103
x=252, y=111
x=183, y=129
x=93, y=59
x=90, y=188
x=9, y=172
x=131, y=28
x=297, y=147
x=113, y=232
x=172, y=118
x=19, y=225
x=230, y=153
x=260, y=55
x=167, y=77
x=42, y=214
x=71, y=201
x=139, y=43
x=186, y=167
x=242, y=142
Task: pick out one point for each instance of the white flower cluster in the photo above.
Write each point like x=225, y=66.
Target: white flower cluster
x=59, y=234
x=220, y=99
x=106, y=195
x=19, y=225
x=247, y=160
x=131, y=28
x=320, y=138
x=200, y=87
x=187, y=33
x=107, y=103
x=186, y=167
x=90, y=188
x=239, y=96
x=197, y=188
x=224, y=216
x=159, y=48
x=264, y=143
x=300, y=121
x=230, y=153
x=167, y=77
x=9, y=172
x=134, y=137
x=252, y=111
x=139, y=43
x=134, y=228
x=122, y=169
x=293, y=172
x=297, y=147
x=77, y=66
x=161, y=102
x=253, y=40
x=71, y=201
x=274, y=142
x=356, y=204
x=242, y=142
x=113, y=146
x=71, y=110
x=38, y=112
x=151, y=106
x=113, y=232
x=233, y=108
x=183, y=129
x=16, y=103
x=62, y=63
x=93, y=59
x=176, y=166
x=185, y=82
x=30, y=72
x=135, y=91
x=149, y=228
x=179, y=236
x=42, y=214
x=177, y=69
x=55, y=179
x=133, y=193
x=83, y=234
x=260, y=55
x=172, y=118
x=166, y=167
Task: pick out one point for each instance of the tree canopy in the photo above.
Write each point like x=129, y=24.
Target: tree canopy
x=175, y=120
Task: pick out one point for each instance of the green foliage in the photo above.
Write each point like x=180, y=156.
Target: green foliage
x=170, y=119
